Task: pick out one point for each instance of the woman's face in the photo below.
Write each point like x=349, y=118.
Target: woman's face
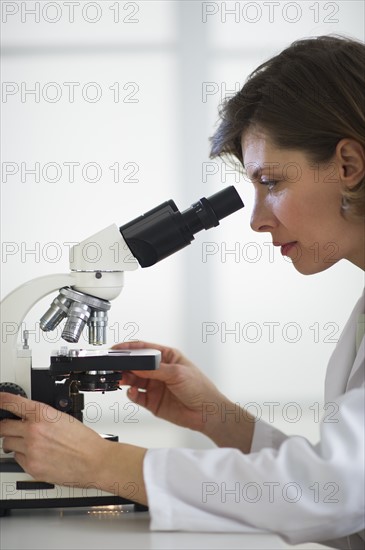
x=299, y=203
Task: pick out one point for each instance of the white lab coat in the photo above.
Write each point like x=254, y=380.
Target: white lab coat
x=286, y=485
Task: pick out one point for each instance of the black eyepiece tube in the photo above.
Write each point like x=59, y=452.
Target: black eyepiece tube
x=164, y=230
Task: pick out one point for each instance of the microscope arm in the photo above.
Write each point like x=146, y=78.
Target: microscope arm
x=15, y=364
x=13, y=310
x=103, y=279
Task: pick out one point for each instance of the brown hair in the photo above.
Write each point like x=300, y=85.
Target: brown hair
x=308, y=97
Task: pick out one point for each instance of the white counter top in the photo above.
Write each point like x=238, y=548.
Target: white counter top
x=115, y=527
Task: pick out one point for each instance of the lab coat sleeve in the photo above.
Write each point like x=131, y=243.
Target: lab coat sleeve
x=266, y=435
x=302, y=492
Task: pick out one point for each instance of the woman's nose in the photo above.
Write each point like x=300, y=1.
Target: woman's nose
x=262, y=218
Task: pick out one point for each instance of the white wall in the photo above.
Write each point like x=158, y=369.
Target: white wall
x=172, y=62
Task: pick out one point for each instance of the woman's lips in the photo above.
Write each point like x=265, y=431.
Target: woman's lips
x=286, y=248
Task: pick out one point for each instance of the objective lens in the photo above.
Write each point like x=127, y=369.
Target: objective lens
x=97, y=327
x=54, y=315
x=78, y=316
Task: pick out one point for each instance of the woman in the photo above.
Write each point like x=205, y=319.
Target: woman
x=298, y=128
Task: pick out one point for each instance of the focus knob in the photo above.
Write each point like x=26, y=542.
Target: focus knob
x=10, y=387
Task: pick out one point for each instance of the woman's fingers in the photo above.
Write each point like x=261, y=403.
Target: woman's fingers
x=168, y=355
x=137, y=396
x=139, y=344
x=140, y=378
x=13, y=444
x=130, y=379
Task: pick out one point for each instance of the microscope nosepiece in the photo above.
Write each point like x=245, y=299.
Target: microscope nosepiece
x=79, y=308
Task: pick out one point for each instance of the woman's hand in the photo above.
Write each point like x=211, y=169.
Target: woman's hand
x=56, y=448
x=176, y=391
x=180, y=393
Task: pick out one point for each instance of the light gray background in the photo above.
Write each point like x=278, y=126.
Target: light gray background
x=173, y=62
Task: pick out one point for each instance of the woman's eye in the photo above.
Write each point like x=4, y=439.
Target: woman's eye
x=269, y=183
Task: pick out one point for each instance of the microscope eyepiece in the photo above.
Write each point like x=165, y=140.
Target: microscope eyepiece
x=164, y=230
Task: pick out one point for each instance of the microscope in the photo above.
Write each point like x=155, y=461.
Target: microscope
x=83, y=299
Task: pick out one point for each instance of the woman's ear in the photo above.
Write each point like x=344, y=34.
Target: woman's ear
x=350, y=155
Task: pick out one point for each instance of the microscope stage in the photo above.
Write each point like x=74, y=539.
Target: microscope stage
x=105, y=360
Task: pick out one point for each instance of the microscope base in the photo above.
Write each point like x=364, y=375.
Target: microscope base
x=90, y=371
x=20, y=490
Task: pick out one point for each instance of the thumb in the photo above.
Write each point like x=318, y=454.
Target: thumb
x=133, y=394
